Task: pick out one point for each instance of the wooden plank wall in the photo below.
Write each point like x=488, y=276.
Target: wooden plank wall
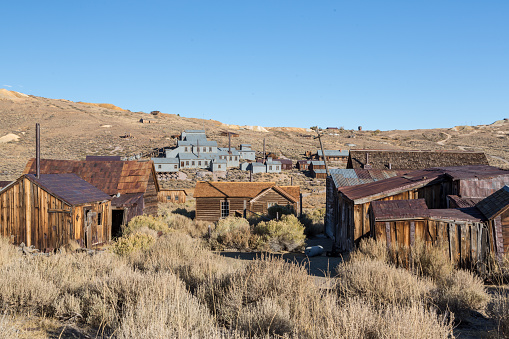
x=150, y=197
x=30, y=215
x=505, y=230
x=467, y=243
x=208, y=209
x=171, y=196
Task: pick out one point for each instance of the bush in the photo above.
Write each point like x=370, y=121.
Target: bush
x=370, y=249
x=379, y=282
x=461, y=292
x=285, y=234
x=279, y=210
x=314, y=221
x=132, y=242
x=498, y=309
x=231, y=232
x=148, y=221
x=432, y=261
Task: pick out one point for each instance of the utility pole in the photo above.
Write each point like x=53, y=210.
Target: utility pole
x=323, y=153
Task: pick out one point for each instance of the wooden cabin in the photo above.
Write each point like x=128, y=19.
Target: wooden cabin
x=412, y=160
x=286, y=164
x=347, y=208
x=175, y=196
x=216, y=200
x=303, y=165
x=463, y=231
x=53, y=210
x=319, y=173
x=133, y=185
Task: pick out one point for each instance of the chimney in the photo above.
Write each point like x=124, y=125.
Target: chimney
x=367, y=165
x=229, y=143
x=37, y=150
x=390, y=166
x=263, y=150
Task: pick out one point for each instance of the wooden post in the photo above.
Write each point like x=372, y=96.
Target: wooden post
x=323, y=153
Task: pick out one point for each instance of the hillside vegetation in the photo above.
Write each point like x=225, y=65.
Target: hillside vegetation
x=72, y=130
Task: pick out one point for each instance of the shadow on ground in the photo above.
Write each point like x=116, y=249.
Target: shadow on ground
x=319, y=266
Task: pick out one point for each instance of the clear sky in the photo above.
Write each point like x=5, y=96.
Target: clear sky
x=379, y=64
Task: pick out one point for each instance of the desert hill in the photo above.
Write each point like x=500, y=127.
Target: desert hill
x=72, y=130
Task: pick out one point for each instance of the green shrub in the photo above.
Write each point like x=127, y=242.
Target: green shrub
x=148, y=221
x=285, y=234
x=314, y=221
x=231, y=232
x=132, y=242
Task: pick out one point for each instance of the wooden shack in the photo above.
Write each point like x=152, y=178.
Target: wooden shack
x=133, y=185
x=286, y=164
x=303, y=165
x=216, y=200
x=172, y=195
x=347, y=207
x=405, y=222
x=50, y=211
x=413, y=160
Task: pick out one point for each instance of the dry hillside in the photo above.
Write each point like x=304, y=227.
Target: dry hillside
x=72, y=130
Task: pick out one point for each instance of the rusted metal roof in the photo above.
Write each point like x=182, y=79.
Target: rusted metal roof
x=209, y=189
x=69, y=188
x=126, y=200
x=495, y=204
x=399, y=209
x=417, y=159
x=111, y=177
x=103, y=158
x=351, y=177
x=459, y=202
x=474, y=172
x=391, y=186
x=417, y=209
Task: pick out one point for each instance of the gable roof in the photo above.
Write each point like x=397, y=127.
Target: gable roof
x=463, y=202
x=69, y=188
x=495, y=204
x=111, y=177
x=402, y=159
x=212, y=189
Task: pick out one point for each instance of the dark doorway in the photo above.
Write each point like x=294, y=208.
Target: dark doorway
x=117, y=219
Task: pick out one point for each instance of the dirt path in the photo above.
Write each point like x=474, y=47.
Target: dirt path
x=442, y=142
x=499, y=158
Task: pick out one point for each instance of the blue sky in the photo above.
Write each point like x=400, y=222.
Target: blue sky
x=379, y=64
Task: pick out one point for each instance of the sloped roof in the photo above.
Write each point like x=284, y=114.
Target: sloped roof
x=4, y=183
x=391, y=186
x=463, y=202
x=69, y=188
x=349, y=177
x=111, y=177
x=396, y=209
x=495, y=204
x=402, y=159
x=417, y=209
x=211, y=189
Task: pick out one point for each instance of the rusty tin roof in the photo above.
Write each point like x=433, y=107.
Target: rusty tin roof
x=69, y=188
x=111, y=177
x=463, y=202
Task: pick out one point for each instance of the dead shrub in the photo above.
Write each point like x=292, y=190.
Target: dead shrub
x=8, y=252
x=461, y=292
x=132, y=242
x=266, y=318
x=286, y=234
x=379, y=282
x=498, y=309
x=370, y=249
x=182, y=222
x=432, y=261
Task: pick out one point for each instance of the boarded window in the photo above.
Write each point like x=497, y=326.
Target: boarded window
x=225, y=209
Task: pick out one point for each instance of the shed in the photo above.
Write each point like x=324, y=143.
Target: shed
x=172, y=195
x=216, y=200
x=316, y=165
x=403, y=159
x=333, y=155
x=286, y=164
x=303, y=165
x=463, y=231
x=127, y=182
x=319, y=173
x=50, y=211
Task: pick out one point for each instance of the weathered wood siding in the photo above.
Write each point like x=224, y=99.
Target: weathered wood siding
x=467, y=243
x=150, y=197
x=505, y=230
x=171, y=196
x=30, y=215
x=208, y=209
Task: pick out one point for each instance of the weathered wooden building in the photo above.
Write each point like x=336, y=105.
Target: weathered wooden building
x=53, y=210
x=347, y=208
x=172, y=195
x=133, y=185
x=462, y=231
x=216, y=200
x=303, y=165
x=412, y=160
